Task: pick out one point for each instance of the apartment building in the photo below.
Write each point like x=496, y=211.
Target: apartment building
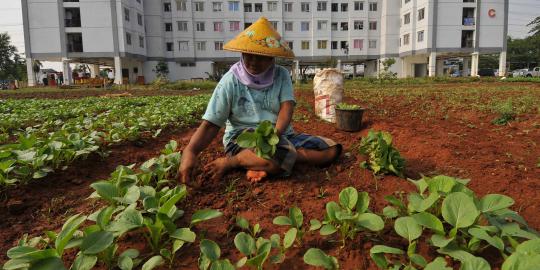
x=134, y=35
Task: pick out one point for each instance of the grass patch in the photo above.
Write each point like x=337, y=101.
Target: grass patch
x=190, y=85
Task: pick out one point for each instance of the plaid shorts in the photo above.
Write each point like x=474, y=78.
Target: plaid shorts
x=285, y=156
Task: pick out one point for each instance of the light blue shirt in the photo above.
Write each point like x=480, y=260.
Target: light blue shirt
x=238, y=107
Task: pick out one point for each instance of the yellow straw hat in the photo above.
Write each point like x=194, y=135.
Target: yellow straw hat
x=260, y=38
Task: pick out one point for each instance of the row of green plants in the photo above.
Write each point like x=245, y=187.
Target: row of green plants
x=41, y=136
x=136, y=202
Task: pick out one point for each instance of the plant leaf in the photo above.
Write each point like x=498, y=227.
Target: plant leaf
x=370, y=221
x=408, y=228
x=494, y=202
x=84, y=262
x=210, y=249
x=245, y=243
x=289, y=238
x=348, y=198
x=282, y=221
x=459, y=210
x=96, y=242
x=184, y=234
x=429, y=221
x=204, y=215
x=317, y=257
x=153, y=263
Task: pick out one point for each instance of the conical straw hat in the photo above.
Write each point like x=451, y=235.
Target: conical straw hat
x=260, y=38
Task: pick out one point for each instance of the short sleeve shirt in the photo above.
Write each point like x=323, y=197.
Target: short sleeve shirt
x=237, y=107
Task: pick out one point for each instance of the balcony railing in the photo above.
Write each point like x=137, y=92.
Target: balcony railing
x=468, y=21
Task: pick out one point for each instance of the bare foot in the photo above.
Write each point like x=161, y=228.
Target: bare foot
x=255, y=176
x=219, y=167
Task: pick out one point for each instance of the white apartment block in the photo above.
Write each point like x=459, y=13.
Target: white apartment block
x=134, y=35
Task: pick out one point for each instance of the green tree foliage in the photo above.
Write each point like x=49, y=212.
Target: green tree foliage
x=12, y=65
x=525, y=53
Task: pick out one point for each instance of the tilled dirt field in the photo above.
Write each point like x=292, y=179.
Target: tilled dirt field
x=497, y=159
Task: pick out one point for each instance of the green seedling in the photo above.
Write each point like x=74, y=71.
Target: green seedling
x=318, y=258
x=349, y=217
x=288, y=241
x=243, y=224
x=294, y=220
x=346, y=106
x=322, y=193
x=210, y=258
x=383, y=157
x=256, y=252
x=263, y=140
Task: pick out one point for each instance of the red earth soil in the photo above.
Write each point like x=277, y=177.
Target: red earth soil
x=497, y=159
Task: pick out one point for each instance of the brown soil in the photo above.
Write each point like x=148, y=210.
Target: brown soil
x=498, y=159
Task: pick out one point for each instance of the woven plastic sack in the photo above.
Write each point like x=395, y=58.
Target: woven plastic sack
x=328, y=88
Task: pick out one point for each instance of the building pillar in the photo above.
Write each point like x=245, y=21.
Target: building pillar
x=378, y=67
x=66, y=71
x=30, y=72
x=502, y=64
x=339, y=66
x=296, y=71
x=474, y=64
x=432, y=65
x=440, y=67
x=465, y=71
x=94, y=71
x=118, y=70
x=354, y=71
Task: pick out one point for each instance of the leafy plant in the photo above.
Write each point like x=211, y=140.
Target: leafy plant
x=210, y=257
x=317, y=257
x=256, y=252
x=244, y=225
x=349, y=217
x=383, y=157
x=346, y=106
x=506, y=113
x=263, y=139
x=294, y=220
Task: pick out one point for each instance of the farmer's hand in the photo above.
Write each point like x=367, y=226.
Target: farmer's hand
x=185, y=172
x=218, y=168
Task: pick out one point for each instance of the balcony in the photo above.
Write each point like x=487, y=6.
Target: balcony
x=469, y=21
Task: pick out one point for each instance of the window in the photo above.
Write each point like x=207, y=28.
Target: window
x=305, y=45
x=288, y=7
x=322, y=25
x=373, y=44
x=358, y=5
x=199, y=26
x=321, y=6
x=321, y=44
x=126, y=15
x=191, y=64
x=183, y=45
x=344, y=26
x=218, y=27
x=216, y=6
x=128, y=38
x=200, y=45
x=167, y=7
x=468, y=1
x=218, y=46
x=373, y=25
x=181, y=5
x=248, y=8
x=73, y=17
x=288, y=26
x=274, y=24
x=141, y=41
x=182, y=26
x=74, y=42
x=420, y=36
x=407, y=18
x=468, y=16
x=344, y=7
x=272, y=6
x=358, y=44
x=358, y=25
x=304, y=7
x=333, y=45
x=335, y=7
x=169, y=46
x=168, y=27
x=234, y=26
x=139, y=19
x=407, y=1
x=467, y=38
x=406, y=39
x=234, y=5
x=421, y=14
x=372, y=6
x=290, y=44
x=199, y=6
x=333, y=26
x=258, y=7
x=344, y=45
x=304, y=26
x=247, y=24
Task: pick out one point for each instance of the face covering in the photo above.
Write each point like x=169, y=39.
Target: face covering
x=258, y=81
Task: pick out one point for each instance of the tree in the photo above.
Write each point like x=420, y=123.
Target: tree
x=535, y=31
x=161, y=70
x=12, y=65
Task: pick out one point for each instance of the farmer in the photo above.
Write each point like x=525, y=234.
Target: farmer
x=255, y=89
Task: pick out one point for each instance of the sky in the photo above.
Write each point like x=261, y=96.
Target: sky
x=521, y=13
